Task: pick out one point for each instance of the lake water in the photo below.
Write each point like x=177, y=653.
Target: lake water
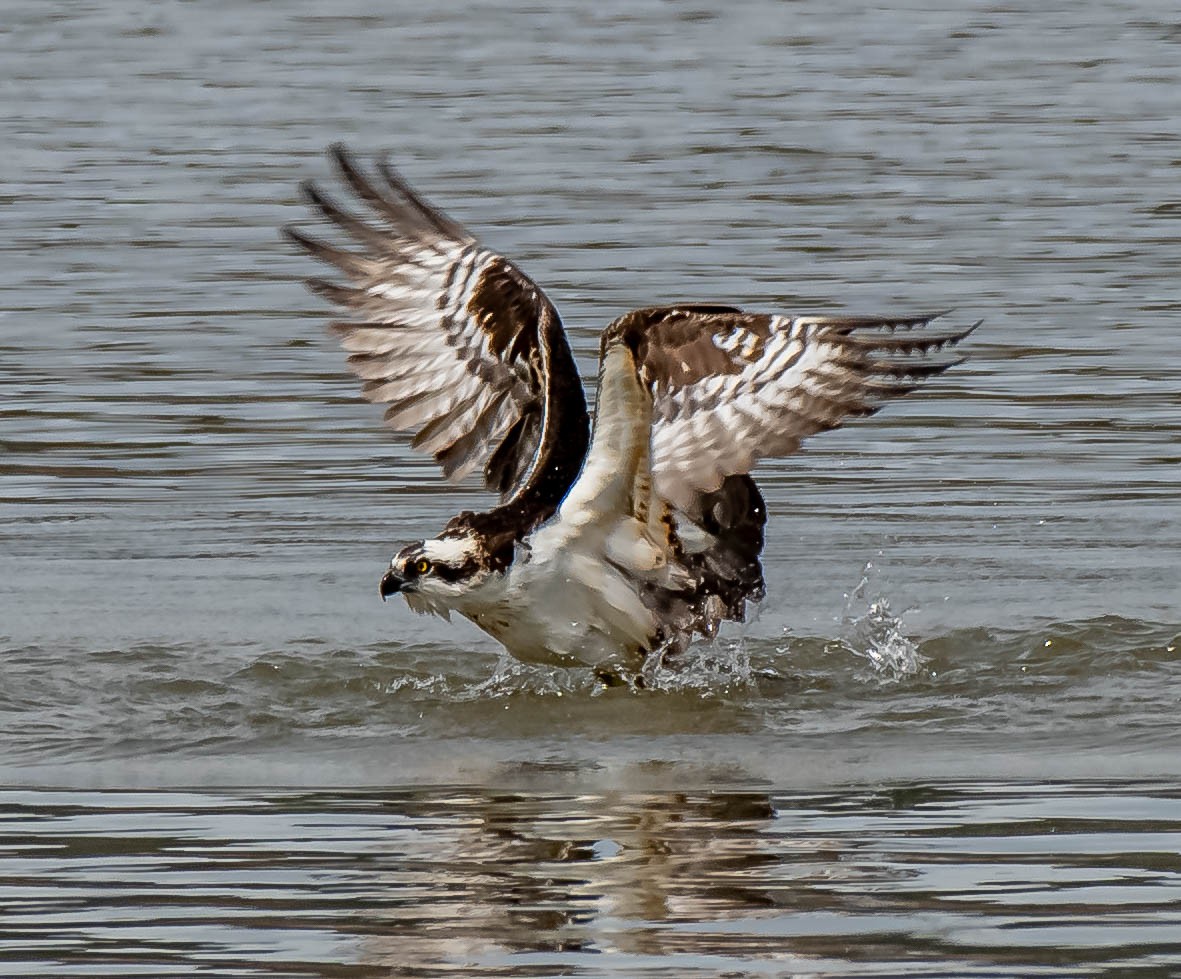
x=947, y=745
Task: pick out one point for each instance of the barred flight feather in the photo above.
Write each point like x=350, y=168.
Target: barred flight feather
x=447, y=334
x=600, y=551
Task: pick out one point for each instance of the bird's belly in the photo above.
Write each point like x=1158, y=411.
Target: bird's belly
x=571, y=613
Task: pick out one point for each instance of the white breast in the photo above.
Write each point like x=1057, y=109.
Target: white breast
x=563, y=605
x=574, y=598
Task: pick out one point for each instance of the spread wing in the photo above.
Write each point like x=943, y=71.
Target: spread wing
x=730, y=388
x=462, y=347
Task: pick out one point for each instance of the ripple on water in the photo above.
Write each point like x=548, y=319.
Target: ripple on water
x=896, y=879
x=1054, y=686
x=195, y=504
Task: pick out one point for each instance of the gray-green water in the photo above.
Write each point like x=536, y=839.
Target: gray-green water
x=928, y=880
x=947, y=745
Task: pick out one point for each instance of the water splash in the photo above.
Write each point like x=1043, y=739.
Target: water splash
x=416, y=684
x=513, y=678
x=875, y=633
x=705, y=667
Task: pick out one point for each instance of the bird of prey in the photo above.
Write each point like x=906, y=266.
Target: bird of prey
x=612, y=542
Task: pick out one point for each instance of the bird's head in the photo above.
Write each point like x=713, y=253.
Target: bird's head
x=436, y=575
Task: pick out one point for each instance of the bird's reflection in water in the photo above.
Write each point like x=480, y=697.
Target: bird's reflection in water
x=496, y=875
x=550, y=878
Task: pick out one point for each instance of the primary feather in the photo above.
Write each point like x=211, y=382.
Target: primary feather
x=604, y=547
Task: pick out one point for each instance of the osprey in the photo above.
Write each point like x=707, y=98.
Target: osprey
x=612, y=543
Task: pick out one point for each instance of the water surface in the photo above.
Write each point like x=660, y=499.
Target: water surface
x=973, y=594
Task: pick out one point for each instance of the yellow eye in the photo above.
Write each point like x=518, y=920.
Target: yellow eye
x=422, y=565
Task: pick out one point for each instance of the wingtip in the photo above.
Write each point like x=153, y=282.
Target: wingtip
x=967, y=332
x=947, y=337
x=305, y=242
x=389, y=172
x=922, y=320
x=343, y=158
x=334, y=292
x=295, y=236
x=309, y=192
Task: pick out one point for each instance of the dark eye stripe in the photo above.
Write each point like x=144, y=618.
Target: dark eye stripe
x=452, y=573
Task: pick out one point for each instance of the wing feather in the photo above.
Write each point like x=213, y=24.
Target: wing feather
x=730, y=388
x=463, y=349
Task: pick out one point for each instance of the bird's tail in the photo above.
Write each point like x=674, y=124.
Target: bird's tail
x=734, y=516
x=718, y=545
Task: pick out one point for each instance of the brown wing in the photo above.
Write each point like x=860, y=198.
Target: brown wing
x=462, y=347
x=730, y=388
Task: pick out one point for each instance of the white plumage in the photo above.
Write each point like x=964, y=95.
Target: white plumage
x=601, y=550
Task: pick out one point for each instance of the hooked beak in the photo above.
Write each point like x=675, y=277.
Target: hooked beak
x=391, y=584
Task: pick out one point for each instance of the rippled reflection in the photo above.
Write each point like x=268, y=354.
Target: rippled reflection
x=901, y=880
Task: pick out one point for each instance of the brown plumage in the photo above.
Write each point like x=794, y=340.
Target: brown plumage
x=730, y=388
x=461, y=347
x=468, y=354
